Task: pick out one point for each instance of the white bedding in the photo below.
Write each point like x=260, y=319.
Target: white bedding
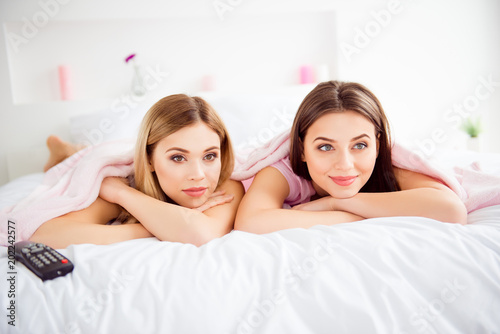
x=386, y=275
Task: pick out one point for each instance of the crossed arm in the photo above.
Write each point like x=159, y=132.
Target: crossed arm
x=170, y=222
x=158, y=219
x=420, y=195
x=261, y=209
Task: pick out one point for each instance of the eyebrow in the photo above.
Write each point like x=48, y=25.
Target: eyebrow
x=186, y=151
x=334, y=141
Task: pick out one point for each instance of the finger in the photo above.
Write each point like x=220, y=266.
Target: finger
x=206, y=206
x=220, y=200
x=214, y=202
x=217, y=193
x=225, y=199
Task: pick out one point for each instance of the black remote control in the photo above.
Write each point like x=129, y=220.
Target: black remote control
x=42, y=260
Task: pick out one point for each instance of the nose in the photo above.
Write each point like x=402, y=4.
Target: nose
x=196, y=171
x=344, y=161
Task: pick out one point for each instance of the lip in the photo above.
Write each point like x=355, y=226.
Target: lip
x=195, y=191
x=343, y=181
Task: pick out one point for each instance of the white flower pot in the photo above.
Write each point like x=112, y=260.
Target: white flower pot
x=474, y=144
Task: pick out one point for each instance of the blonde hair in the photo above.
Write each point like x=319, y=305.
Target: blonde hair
x=165, y=117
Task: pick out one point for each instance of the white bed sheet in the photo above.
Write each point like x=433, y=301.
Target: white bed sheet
x=385, y=275
x=17, y=189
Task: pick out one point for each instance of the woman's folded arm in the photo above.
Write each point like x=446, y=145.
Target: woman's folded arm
x=261, y=209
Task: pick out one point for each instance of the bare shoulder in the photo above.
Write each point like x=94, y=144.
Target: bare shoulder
x=271, y=185
x=232, y=187
x=271, y=177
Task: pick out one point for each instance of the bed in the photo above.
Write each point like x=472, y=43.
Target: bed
x=385, y=275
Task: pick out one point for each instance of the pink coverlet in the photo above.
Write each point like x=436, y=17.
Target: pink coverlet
x=74, y=184
x=69, y=186
x=476, y=189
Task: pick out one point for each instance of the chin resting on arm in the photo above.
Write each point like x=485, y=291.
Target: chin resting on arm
x=170, y=222
x=261, y=210
x=420, y=196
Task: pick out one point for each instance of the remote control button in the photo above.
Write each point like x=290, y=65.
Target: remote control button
x=35, y=250
x=52, y=258
x=25, y=250
x=64, y=260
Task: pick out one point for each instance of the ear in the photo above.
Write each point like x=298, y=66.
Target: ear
x=151, y=167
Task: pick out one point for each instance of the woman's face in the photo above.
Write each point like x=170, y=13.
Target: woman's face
x=340, y=150
x=188, y=164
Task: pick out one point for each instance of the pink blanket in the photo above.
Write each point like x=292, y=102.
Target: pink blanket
x=74, y=184
x=476, y=189
x=70, y=186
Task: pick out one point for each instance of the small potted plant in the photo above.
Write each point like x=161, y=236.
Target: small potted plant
x=472, y=126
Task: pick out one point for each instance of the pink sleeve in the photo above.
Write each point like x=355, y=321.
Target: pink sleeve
x=301, y=190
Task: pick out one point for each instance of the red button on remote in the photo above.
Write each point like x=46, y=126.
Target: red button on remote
x=64, y=260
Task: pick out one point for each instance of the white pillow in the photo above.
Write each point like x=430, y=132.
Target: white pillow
x=98, y=127
x=253, y=118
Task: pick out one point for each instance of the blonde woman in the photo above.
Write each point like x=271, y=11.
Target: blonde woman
x=182, y=163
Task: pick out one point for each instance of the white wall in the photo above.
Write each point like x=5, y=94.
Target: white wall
x=421, y=57
x=437, y=61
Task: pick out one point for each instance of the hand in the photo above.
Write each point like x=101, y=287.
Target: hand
x=217, y=198
x=323, y=204
x=111, y=186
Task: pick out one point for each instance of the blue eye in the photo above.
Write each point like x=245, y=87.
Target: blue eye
x=325, y=147
x=360, y=146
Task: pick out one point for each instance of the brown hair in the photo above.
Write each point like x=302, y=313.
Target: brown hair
x=334, y=97
x=165, y=117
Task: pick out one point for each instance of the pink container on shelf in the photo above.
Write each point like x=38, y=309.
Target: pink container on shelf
x=64, y=82
x=306, y=74
x=208, y=83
